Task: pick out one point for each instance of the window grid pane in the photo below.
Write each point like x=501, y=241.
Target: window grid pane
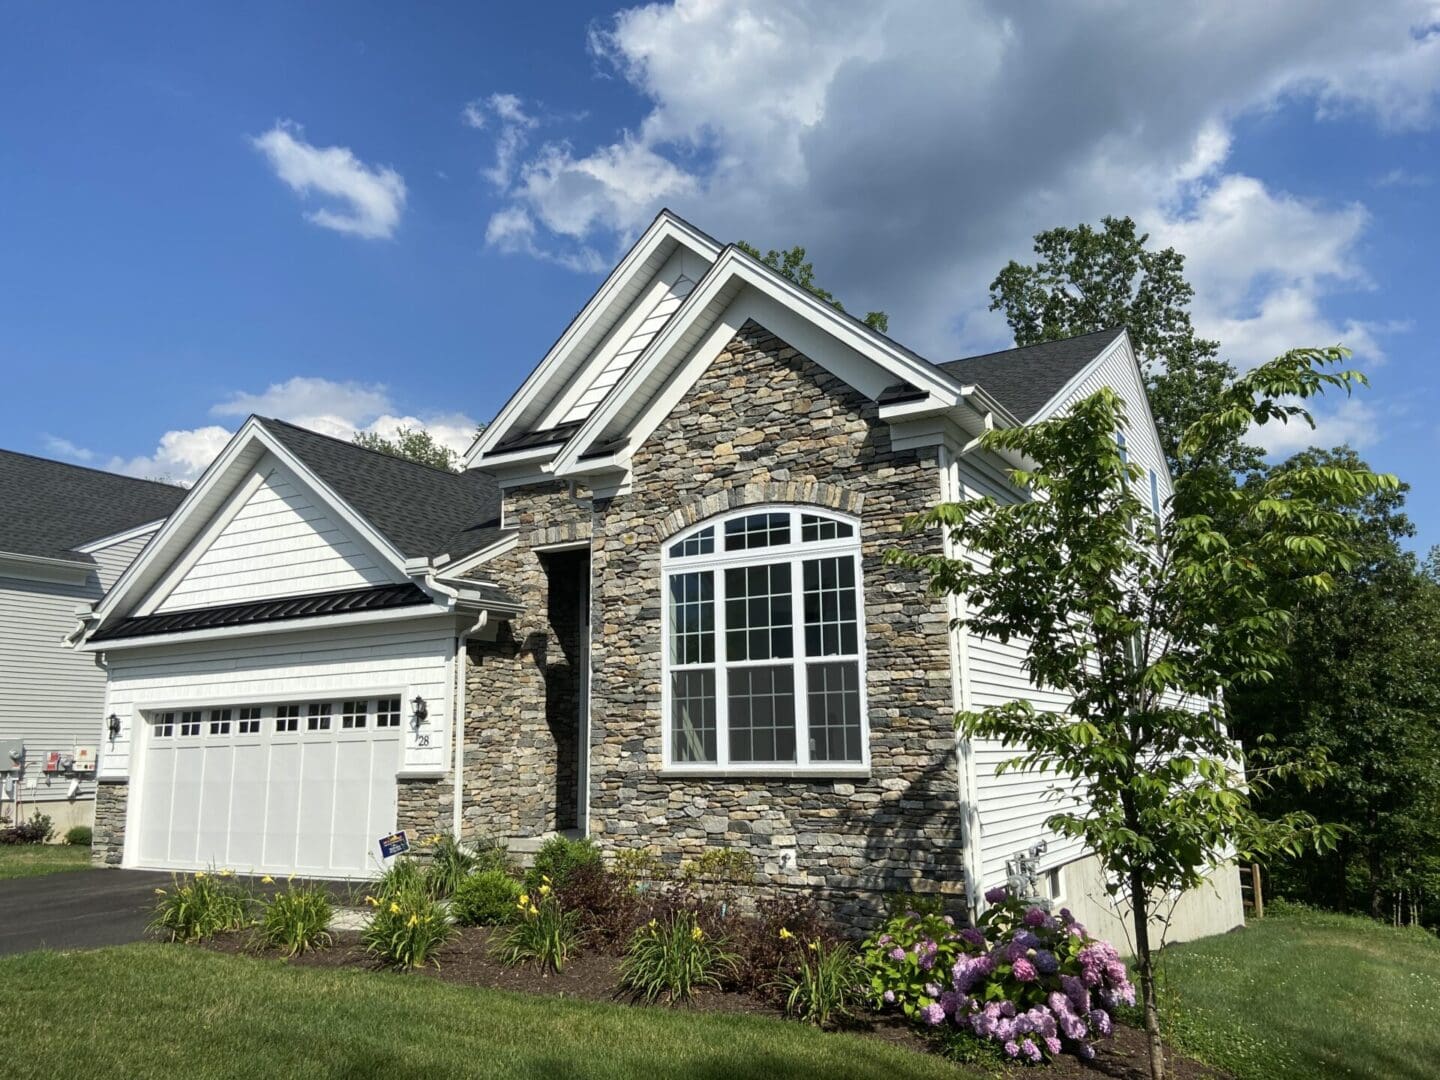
x=762, y=714
x=190, y=723
x=165, y=725
x=219, y=721
x=831, y=616
x=692, y=618
x=287, y=718
x=352, y=714
x=758, y=617
x=250, y=720
x=834, y=710
x=387, y=712
x=813, y=527
x=757, y=531
x=702, y=543
x=692, y=710
x=318, y=718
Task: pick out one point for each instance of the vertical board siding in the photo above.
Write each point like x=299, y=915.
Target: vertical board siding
x=279, y=543
x=409, y=657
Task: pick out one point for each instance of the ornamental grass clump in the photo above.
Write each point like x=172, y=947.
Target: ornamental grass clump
x=449, y=865
x=296, y=918
x=542, y=933
x=404, y=876
x=1031, y=983
x=406, y=929
x=199, y=906
x=673, y=957
x=826, y=982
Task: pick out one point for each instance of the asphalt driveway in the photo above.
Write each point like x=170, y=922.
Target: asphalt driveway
x=83, y=909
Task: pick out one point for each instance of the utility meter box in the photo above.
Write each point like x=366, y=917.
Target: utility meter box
x=53, y=762
x=85, y=760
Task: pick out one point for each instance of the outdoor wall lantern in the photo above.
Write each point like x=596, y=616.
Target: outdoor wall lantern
x=418, y=712
x=113, y=725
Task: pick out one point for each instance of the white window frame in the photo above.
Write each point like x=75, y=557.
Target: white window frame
x=795, y=553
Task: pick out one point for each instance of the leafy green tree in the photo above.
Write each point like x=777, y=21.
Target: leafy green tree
x=1364, y=689
x=1144, y=622
x=412, y=444
x=793, y=265
x=1086, y=280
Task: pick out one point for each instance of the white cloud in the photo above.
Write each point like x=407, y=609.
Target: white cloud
x=515, y=127
x=1353, y=422
x=369, y=198
x=338, y=409
x=915, y=147
x=473, y=114
x=66, y=449
x=1404, y=178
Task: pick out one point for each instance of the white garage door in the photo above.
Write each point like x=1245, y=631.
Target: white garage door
x=305, y=788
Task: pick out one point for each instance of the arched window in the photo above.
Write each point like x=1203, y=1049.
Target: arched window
x=764, y=643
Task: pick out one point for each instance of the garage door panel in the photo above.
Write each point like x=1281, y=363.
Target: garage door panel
x=159, y=781
x=217, y=776
x=247, y=807
x=185, y=805
x=282, y=804
x=317, y=805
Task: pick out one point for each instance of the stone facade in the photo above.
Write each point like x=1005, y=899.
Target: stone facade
x=424, y=806
x=522, y=737
x=764, y=424
x=107, y=845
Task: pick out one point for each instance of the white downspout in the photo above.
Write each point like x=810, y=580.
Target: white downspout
x=457, y=717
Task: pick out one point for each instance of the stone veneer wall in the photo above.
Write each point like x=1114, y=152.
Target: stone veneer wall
x=763, y=424
x=522, y=690
x=107, y=845
x=424, y=807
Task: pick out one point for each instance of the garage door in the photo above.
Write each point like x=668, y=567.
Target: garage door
x=303, y=788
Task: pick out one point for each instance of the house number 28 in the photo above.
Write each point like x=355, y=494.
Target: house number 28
x=422, y=740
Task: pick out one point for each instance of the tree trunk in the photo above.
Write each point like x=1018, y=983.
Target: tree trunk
x=1372, y=864
x=1140, y=908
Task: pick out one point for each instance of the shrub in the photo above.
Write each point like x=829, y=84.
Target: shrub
x=35, y=831
x=407, y=928
x=79, y=836
x=826, y=982
x=635, y=866
x=672, y=958
x=607, y=908
x=485, y=899
x=491, y=854
x=295, y=919
x=200, y=906
x=560, y=856
x=542, y=933
x=449, y=865
x=901, y=903
x=764, y=942
x=1024, y=980
x=730, y=866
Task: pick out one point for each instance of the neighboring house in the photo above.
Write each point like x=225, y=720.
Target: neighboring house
x=658, y=597
x=66, y=534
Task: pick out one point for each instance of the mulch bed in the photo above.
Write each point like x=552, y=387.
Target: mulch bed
x=594, y=976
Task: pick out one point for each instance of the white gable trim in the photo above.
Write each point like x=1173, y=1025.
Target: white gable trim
x=712, y=310
x=120, y=537
x=666, y=228
x=233, y=466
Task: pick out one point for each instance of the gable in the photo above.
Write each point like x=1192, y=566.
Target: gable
x=274, y=539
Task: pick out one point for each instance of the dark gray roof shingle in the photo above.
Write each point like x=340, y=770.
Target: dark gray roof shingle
x=49, y=508
x=424, y=512
x=1025, y=379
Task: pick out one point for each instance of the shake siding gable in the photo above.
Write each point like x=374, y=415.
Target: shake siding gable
x=280, y=542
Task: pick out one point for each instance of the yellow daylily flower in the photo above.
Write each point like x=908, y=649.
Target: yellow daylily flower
x=785, y=935
x=372, y=901
x=159, y=892
x=697, y=934
x=654, y=923
x=545, y=878
x=267, y=880
x=534, y=910
x=814, y=946
x=227, y=873
x=414, y=919
x=544, y=890
x=394, y=908
x=199, y=874
x=524, y=899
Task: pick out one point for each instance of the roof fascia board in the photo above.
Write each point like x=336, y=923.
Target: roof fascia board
x=120, y=537
x=666, y=226
x=459, y=567
x=734, y=265
x=44, y=569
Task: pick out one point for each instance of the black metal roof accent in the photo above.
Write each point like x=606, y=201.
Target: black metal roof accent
x=1024, y=380
x=524, y=440
x=901, y=392
x=374, y=598
x=49, y=508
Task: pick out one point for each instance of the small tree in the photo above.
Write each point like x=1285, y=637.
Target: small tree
x=1143, y=621
x=793, y=265
x=412, y=444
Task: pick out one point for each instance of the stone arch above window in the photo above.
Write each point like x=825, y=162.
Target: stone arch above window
x=797, y=492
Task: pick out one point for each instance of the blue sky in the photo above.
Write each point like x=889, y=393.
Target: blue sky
x=360, y=215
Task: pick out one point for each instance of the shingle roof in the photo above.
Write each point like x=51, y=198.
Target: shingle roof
x=1025, y=379
x=49, y=508
x=424, y=512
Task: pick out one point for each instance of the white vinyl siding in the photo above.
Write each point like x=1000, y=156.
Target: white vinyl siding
x=279, y=543
x=399, y=659
x=111, y=561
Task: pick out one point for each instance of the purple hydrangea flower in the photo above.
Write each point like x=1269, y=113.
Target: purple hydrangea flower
x=1085, y=1052
x=1036, y=917
x=1046, y=962
x=933, y=1015
x=1100, y=1021
x=1052, y=1044
x=1030, y=1050
x=972, y=936
x=997, y=895
x=897, y=953
x=1024, y=970
x=888, y=997
x=1012, y=1048
x=931, y=990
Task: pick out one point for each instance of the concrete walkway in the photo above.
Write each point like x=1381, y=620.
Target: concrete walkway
x=81, y=909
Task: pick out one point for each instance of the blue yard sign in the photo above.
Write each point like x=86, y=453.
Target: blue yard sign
x=394, y=844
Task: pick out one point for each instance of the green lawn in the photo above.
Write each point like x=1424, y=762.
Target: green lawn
x=170, y=1010
x=32, y=860
x=1302, y=994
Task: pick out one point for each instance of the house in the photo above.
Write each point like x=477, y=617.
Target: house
x=66, y=534
x=656, y=601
